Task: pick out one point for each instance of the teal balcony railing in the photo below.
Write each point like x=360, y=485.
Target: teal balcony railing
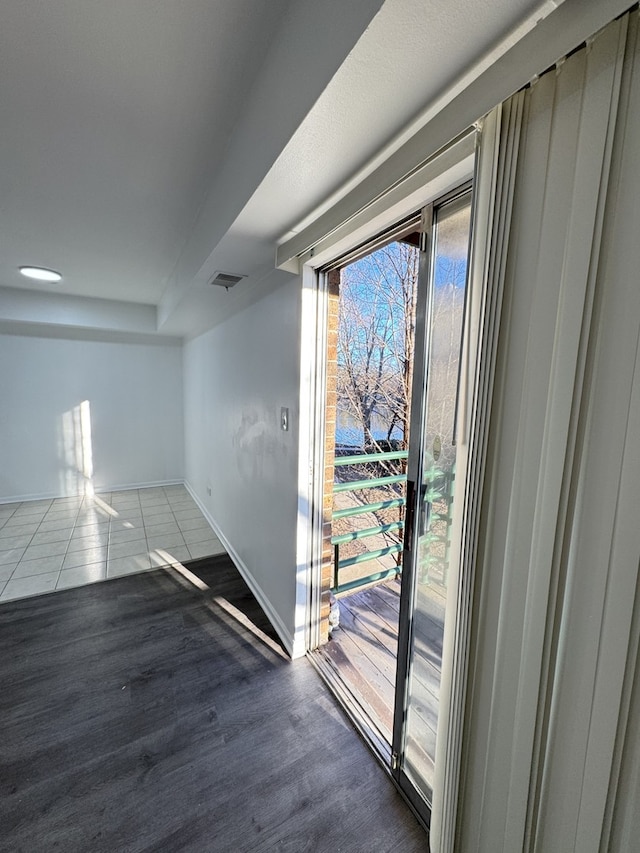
x=434, y=559
x=363, y=508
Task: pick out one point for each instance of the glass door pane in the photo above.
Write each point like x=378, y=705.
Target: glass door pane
x=435, y=492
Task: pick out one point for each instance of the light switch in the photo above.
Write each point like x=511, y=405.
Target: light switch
x=284, y=419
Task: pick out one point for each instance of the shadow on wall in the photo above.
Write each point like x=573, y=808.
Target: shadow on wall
x=75, y=451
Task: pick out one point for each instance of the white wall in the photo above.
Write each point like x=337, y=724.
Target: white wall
x=236, y=378
x=134, y=395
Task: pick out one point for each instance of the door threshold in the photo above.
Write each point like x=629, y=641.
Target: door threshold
x=363, y=724
x=357, y=715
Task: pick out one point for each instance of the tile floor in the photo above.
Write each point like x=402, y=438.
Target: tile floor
x=55, y=544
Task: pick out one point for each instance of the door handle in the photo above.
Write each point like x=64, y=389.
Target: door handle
x=409, y=515
x=424, y=511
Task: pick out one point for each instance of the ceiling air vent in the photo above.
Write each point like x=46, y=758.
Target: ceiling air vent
x=225, y=279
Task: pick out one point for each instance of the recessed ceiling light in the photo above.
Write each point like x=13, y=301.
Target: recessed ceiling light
x=40, y=273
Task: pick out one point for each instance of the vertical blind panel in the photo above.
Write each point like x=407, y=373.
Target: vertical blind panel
x=602, y=567
x=562, y=740
x=493, y=180
x=620, y=263
x=526, y=737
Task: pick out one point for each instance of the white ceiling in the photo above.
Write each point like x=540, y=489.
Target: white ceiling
x=146, y=143
x=115, y=117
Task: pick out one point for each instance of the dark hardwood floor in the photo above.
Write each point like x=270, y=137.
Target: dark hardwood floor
x=145, y=713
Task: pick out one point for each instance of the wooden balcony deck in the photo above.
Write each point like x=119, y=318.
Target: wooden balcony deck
x=362, y=656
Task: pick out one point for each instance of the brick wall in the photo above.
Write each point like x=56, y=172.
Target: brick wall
x=329, y=449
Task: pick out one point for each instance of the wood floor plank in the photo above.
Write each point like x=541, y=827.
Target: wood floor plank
x=369, y=624
x=385, y=600
x=363, y=681
x=140, y=715
x=371, y=648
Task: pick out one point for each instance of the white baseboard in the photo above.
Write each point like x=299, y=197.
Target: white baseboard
x=283, y=632
x=48, y=496
x=299, y=645
x=41, y=496
x=129, y=486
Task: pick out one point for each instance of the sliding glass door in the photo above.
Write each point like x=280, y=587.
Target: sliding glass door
x=435, y=492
